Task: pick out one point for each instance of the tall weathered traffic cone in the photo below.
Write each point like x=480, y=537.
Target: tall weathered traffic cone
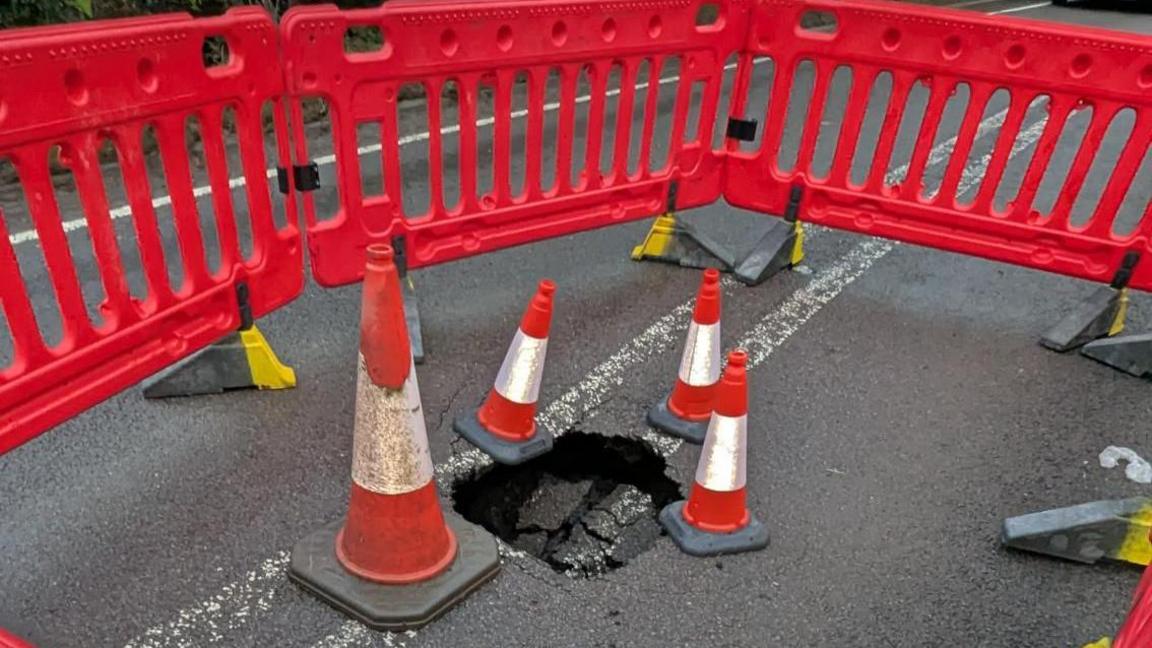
x=397, y=561
x=685, y=413
x=715, y=519
x=505, y=427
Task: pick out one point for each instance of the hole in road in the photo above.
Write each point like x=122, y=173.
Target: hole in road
x=587, y=507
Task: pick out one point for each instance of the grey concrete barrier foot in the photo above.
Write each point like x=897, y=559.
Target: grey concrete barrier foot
x=1085, y=533
x=778, y=249
x=1131, y=354
x=1100, y=315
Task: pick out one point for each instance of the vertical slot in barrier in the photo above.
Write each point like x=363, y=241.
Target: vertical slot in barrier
x=320, y=140
x=694, y=115
x=1136, y=207
x=123, y=220
x=611, y=119
x=550, y=158
x=1103, y=167
x=759, y=98
x=485, y=140
x=1060, y=162
x=368, y=147
x=412, y=121
x=980, y=155
x=450, y=144
x=160, y=202
x=578, y=175
x=636, y=128
x=667, y=89
x=831, y=122
x=724, y=105
x=869, y=139
x=201, y=195
x=270, y=113
x=62, y=160
x=911, y=121
x=945, y=141
x=518, y=118
x=232, y=173
x=799, y=101
x=1019, y=153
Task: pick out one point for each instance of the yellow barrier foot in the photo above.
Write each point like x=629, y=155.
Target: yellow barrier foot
x=780, y=248
x=1101, y=315
x=243, y=360
x=1086, y=533
x=671, y=241
x=1103, y=642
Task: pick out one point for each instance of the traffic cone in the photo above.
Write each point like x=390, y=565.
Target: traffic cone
x=686, y=412
x=715, y=519
x=505, y=427
x=397, y=561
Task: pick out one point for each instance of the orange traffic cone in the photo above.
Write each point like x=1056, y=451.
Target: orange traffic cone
x=686, y=412
x=505, y=425
x=715, y=519
x=398, y=561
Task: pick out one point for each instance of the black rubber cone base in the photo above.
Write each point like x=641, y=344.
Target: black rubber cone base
x=695, y=542
x=662, y=418
x=501, y=450
x=394, y=607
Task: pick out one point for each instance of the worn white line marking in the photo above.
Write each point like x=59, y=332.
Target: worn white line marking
x=1024, y=8
x=208, y=622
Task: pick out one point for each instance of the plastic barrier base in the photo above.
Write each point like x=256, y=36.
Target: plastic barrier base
x=394, y=607
x=695, y=542
x=243, y=360
x=1131, y=354
x=671, y=241
x=781, y=247
x=505, y=452
x=1086, y=533
x=661, y=418
x=1102, y=314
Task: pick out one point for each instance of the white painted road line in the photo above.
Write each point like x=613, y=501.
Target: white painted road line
x=1038, y=5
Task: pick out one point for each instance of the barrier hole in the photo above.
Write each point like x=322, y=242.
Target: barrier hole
x=63, y=161
x=585, y=509
x=320, y=142
x=1014, y=57
x=1067, y=146
x=1136, y=208
x=485, y=138
x=1103, y=164
x=559, y=33
x=269, y=156
x=818, y=23
x=952, y=47
x=412, y=126
x=1080, y=66
x=550, y=153
x=123, y=222
x=157, y=181
x=504, y=38
x=608, y=30
x=944, y=143
x=799, y=101
x=636, y=143
x=831, y=122
x=76, y=88
x=35, y=277
x=234, y=171
x=891, y=39
x=727, y=83
x=363, y=39
x=146, y=74
x=708, y=17
x=612, y=118
x=518, y=149
x=911, y=122
x=202, y=193
x=7, y=345
x=869, y=138
x=1020, y=155
x=979, y=156
x=368, y=139
x=759, y=99
x=1145, y=79
x=694, y=116
x=215, y=52
x=655, y=26
x=449, y=44
x=667, y=89
x=450, y=144
x=578, y=177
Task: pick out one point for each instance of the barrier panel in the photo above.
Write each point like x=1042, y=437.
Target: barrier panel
x=529, y=153
x=865, y=93
x=93, y=298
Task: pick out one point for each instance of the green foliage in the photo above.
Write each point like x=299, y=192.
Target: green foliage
x=19, y=13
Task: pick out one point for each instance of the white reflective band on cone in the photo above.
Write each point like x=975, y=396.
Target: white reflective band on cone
x=701, y=363
x=519, y=377
x=390, y=452
x=723, y=461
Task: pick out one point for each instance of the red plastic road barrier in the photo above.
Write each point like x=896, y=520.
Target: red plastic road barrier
x=1137, y=629
x=482, y=50
x=1079, y=79
x=9, y=640
x=72, y=89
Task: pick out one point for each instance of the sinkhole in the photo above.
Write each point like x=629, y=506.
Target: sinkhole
x=587, y=507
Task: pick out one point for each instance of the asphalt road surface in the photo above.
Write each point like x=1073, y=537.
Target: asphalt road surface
x=900, y=408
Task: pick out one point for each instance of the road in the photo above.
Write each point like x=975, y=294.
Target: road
x=900, y=408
